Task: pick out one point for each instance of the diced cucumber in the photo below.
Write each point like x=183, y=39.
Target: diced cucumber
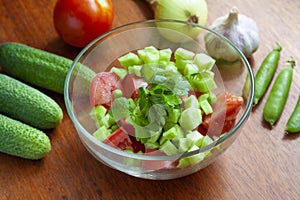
x=205, y=85
x=190, y=119
x=179, y=133
x=150, y=145
x=135, y=69
x=191, y=160
x=154, y=135
x=171, y=67
x=185, y=144
x=98, y=113
x=206, y=74
x=168, y=135
x=173, y=115
x=149, y=55
x=168, y=148
x=204, y=81
x=206, y=141
x=165, y=55
x=132, y=162
x=181, y=64
x=148, y=73
x=106, y=121
x=121, y=73
x=204, y=62
x=191, y=102
x=129, y=59
x=196, y=137
x=169, y=125
x=210, y=97
x=206, y=107
x=190, y=69
x=203, y=97
x=183, y=54
x=102, y=133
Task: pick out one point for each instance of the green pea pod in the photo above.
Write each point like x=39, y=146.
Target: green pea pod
x=293, y=124
x=265, y=73
x=279, y=93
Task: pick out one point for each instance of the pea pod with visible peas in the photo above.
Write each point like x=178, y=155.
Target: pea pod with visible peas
x=265, y=73
x=293, y=124
x=279, y=93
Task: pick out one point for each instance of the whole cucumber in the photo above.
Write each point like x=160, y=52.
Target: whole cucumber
x=27, y=104
x=38, y=67
x=22, y=140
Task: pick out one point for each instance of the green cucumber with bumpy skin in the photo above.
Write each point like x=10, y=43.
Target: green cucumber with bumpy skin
x=37, y=67
x=27, y=104
x=22, y=140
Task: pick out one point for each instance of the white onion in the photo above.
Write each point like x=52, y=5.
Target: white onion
x=193, y=11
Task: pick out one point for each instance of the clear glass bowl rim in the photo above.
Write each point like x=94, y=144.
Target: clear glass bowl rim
x=80, y=128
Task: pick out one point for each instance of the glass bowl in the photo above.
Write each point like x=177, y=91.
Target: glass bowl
x=101, y=54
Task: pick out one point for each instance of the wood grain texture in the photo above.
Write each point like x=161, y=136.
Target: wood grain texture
x=262, y=163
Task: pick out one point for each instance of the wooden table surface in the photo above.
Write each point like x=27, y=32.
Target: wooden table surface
x=262, y=163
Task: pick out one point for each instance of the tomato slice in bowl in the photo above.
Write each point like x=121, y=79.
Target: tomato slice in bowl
x=119, y=139
x=224, y=116
x=130, y=85
x=102, y=87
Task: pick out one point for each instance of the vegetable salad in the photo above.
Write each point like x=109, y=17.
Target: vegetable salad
x=160, y=101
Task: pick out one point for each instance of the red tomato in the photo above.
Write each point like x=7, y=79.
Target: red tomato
x=223, y=118
x=130, y=85
x=119, y=139
x=137, y=145
x=78, y=22
x=129, y=129
x=102, y=87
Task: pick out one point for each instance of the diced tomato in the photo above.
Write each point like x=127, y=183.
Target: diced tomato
x=102, y=87
x=196, y=93
x=119, y=139
x=130, y=85
x=129, y=129
x=223, y=118
x=202, y=129
x=228, y=125
x=157, y=164
x=137, y=145
x=233, y=106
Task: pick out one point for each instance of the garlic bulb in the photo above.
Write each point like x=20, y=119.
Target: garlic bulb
x=239, y=29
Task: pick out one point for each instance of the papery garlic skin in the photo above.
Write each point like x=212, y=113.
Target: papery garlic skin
x=241, y=30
